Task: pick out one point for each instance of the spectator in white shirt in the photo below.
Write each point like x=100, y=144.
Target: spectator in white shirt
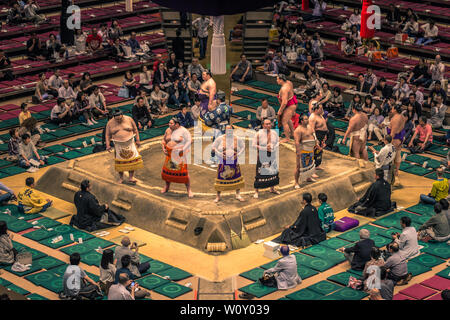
x=431, y=33
x=67, y=93
x=401, y=90
x=55, y=81
x=97, y=102
x=437, y=69
x=319, y=8
x=201, y=25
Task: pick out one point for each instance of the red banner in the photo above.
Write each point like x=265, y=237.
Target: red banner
x=366, y=33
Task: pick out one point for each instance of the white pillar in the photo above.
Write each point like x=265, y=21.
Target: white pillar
x=218, y=48
x=129, y=5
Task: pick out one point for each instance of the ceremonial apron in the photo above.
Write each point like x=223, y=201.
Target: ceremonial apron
x=267, y=171
x=127, y=157
x=307, y=165
x=174, y=172
x=229, y=173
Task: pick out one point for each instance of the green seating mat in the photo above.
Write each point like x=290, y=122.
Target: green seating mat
x=242, y=124
x=91, y=258
x=79, y=128
x=304, y=294
x=341, y=278
x=19, y=225
x=417, y=170
x=34, y=267
x=380, y=241
x=54, y=160
x=48, y=280
x=55, y=149
x=86, y=151
x=417, y=268
x=433, y=175
x=4, y=282
x=13, y=170
x=175, y=274
x=272, y=264
x=357, y=273
x=253, y=274
x=17, y=289
x=48, y=262
x=157, y=266
x=151, y=282
x=334, y=243
x=444, y=273
x=59, y=133
x=71, y=155
x=372, y=229
x=422, y=208
x=258, y=290
x=48, y=242
x=162, y=121
x=324, y=287
x=305, y=272
x=387, y=232
x=47, y=222
x=172, y=290
x=388, y=222
x=59, y=270
x=351, y=236
x=318, y=264
x=245, y=114
x=428, y=260
x=347, y=294
x=40, y=234
x=35, y=296
x=440, y=150
x=324, y=253
x=439, y=249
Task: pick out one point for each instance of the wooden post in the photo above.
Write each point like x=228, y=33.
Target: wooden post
x=129, y=5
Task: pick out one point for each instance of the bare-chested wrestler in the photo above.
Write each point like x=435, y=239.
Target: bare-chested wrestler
x=396, y=130
x=357, y=132
x=319, y=126
x=176, y=145
x=288, y=105
x=207, y=92
x=305, y=142
x=122, y=131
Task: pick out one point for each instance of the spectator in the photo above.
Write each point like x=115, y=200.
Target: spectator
x=130, y=83
x=319, y=8
x=285, y=271
x=162, y=78
x=82, y=108
x=326, y=213
x=264, y=111
x=270, y=67
x=371, y=272
x=28, y=152
x=335, y=105
x=419, y=75
x=103, y=33
x=368, y=106
x=6, y=194
x=355, y=36
x=377, y=199
x=28, y=124
x=178, y=46
x=86, y=84
x=185, y=117
x=119, y=290
x=411, y=27
x=325, y=94
x=436, y=91
x=195, y=67
x=35, y=48
x=145, y=79
x=350, y=47
x=133, y=43
x=202, y=24
x=243, y=70
x=55, y=82
x=362, y=85
x=195, y=110
x=115, y=31
x=407, y=240
x=375, y=121
x=94, y=41
x=393, y=16
x=180, y=72
x=436, y=70
x=80, y=41
x=76, y=283
x=401, y=89
x=7, y=251
x=438, y=191
x=178, y=94
x=13, y=144
x=117, y=52
x=317, y=46
x=437, y=227
x=159, y=99
x=61, y=113
x=359, y=254
x=386, y=291
x=422, y=137
x=431, y=33
x=97, y=102
x=396, y=266
x=306, y=229
x=418, y=97
x=141, y=115
x=29, y=201
x=385, y=90
x=158, y=60
x=5, y=67
x=416, y=107
x=132, y=250
x=15, y=15
x=53, y=47
x=30, y=13
x=438, y=112
x=66, y=92
x=172, y=63
x=42, y=90
x=372, y=80
x=445, y=205
x=107, y=270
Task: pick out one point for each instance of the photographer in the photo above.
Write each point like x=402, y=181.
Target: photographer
x=135, y=267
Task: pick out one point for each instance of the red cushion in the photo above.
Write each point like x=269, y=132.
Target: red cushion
x=418, y=292
x=435, y=297
x=400, y=296
x=8, y=107
x=437, y=283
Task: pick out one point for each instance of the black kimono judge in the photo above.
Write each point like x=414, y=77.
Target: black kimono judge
x=377, y=199
x=91, y=215
x=306, y=230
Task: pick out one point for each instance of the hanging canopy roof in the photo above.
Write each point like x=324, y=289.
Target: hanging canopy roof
x=215, y=7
